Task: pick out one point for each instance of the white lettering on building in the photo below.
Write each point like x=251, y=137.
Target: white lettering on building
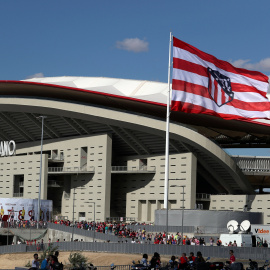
x=7, y=148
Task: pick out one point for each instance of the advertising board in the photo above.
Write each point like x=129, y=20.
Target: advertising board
x=261, y=231
x=16, y=207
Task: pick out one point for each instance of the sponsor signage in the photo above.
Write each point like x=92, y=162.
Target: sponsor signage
x=7, y=148
x=25, y=209
x=260, y=229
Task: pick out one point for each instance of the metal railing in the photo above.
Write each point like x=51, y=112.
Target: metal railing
x=17, y=194
x=119, y=267
x=89, y=169
x=121, y=219
x=151, y=169
x=253, y=164
x=57, y=158
x=203, y=196
x=23, y=224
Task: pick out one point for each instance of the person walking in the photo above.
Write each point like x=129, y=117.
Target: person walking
x=232, y=257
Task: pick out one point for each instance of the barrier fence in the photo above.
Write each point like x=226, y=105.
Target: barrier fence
x=118, y=267
x=255, y=253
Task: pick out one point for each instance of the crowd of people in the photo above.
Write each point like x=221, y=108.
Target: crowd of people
x=124, y=232
x=183, y=262
x=140, y=236
x=49, y=263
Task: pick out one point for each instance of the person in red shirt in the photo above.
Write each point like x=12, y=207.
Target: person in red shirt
x=183, y=261
x=192, y=257
x=232, y=257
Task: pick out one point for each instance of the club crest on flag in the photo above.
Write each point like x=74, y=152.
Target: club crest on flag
x=219, y=87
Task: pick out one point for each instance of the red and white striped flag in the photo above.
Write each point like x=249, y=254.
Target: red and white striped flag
x=202, y=83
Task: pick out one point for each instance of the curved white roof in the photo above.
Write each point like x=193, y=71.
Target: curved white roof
x=143, y=90
x=138, y=89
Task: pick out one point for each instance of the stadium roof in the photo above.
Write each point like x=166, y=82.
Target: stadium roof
x=143, y=97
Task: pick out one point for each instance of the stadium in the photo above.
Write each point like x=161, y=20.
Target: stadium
x=104, y=151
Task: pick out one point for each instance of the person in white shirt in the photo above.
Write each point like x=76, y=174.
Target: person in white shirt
x=35, y=262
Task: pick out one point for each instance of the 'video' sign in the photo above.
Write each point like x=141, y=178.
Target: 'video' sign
x=7, y=148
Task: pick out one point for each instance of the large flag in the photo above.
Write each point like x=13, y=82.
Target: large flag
x=203, y=84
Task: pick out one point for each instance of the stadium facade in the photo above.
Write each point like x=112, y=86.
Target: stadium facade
x=104, y=145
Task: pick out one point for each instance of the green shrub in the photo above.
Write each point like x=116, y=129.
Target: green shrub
x=77, y=259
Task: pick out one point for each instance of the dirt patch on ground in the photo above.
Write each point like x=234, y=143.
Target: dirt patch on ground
x=10, y=261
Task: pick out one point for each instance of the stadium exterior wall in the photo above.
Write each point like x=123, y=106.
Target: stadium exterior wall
x=250, y=203
x=99, y=182
x=79, y=174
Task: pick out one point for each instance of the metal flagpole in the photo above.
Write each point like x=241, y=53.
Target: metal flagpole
x=167, y=139
x=40, y=170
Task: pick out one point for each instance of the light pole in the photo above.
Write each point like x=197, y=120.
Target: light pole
x=8, y=228
x=94, y=220
x=73, y=214
x=183, y=206
x=40, y=170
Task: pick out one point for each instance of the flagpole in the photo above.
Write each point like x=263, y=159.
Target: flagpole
x=166, y=185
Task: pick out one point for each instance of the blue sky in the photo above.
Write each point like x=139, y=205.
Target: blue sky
x=127, y=39
x=83, y=38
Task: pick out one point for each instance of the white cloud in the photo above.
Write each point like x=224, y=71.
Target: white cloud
x=263, y=65
x=37, y=75
x=132, y=45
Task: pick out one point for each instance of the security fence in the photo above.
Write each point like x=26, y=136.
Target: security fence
x=118, y=267
x=12, y=249
x=23, y=224
x=255, y=253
